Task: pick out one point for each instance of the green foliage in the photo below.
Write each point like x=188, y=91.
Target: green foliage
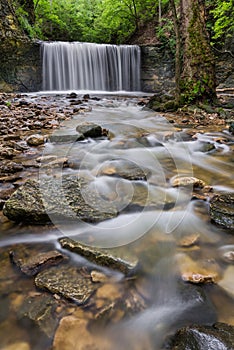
x=165, y=33
x=22, y=16
x=224, y=18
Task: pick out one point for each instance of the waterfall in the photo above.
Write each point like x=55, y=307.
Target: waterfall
x=87, y=66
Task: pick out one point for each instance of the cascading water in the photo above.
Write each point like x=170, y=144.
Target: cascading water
x=87, y=66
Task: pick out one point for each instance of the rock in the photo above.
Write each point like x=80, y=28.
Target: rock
x=65, y=136
x=18, y=346
x=8, y=167
x=68, y=282
x=220, y=336
x=73, y=333
x=197, y=272
x=231, y=128
x=188, y=240
x=39, y=310
x=46, y=159
x=55, y=199
x=31, y=262
x=98, y=277
x=58, y=162
x=35, y=140
x=186, y=181
x=123, y=168
x=103, y=257
x=227, y=253
x=222, y=209
x=89, y=129
x=227, y=281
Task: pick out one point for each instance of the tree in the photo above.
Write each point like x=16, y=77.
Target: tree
x=195, y=68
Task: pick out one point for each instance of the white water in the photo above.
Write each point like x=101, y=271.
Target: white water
x=87, y=66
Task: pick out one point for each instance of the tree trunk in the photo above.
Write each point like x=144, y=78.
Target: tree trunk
x=197, y=78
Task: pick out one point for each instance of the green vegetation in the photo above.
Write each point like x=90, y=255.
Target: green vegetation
x=113, y=21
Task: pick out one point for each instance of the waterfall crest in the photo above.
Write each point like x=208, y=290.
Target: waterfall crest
x=88, y=66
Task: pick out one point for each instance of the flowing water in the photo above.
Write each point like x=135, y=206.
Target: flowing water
x=154, y=217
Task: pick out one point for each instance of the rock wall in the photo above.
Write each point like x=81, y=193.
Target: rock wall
x=157, y=69
x=20, y=69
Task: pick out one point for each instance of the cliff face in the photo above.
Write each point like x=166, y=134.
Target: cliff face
x=10, y=30
x=20, y=68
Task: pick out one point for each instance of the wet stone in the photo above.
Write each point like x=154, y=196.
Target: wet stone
x=123, y=168
x=31, y=262
x=65, y=136
x=90, y=130
x=57, y=200
x=8, y=167
x=220, y=336
x=186, y=181
x=109, y=258
x=222, y=209
x=68, y=282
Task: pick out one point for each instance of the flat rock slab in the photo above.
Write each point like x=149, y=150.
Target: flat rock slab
x=31, y=262
x=56, y=200
x=68, y=282
x=220, y=336
x=64, y=136
x=222, y=209
x=108, y=258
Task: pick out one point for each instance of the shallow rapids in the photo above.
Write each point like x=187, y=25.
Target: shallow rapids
x=168, y=228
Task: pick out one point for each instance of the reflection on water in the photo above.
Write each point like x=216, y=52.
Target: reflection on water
x=154, y=219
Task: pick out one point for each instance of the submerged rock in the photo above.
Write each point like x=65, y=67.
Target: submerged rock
x=222, y=209
x=68, y=282
x=227, y=281
x=109, y=258
x=220, y=336
x=55, y=199
x=40, y=311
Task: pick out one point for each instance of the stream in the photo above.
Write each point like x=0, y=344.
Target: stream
x=167, y=228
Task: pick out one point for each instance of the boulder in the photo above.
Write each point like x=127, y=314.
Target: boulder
x=55, y=200
x=220, y=336
x=222, y=209
x=89, y=129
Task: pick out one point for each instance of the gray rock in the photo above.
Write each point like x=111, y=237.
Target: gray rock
x=125, y=169
x=55, y=199
x=89, y=129
x=68, y=282
x=65, y=136
x=222, y=209
x=220, y=336
x=110, y=258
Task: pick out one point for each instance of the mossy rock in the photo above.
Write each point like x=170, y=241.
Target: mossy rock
x=222, y=210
